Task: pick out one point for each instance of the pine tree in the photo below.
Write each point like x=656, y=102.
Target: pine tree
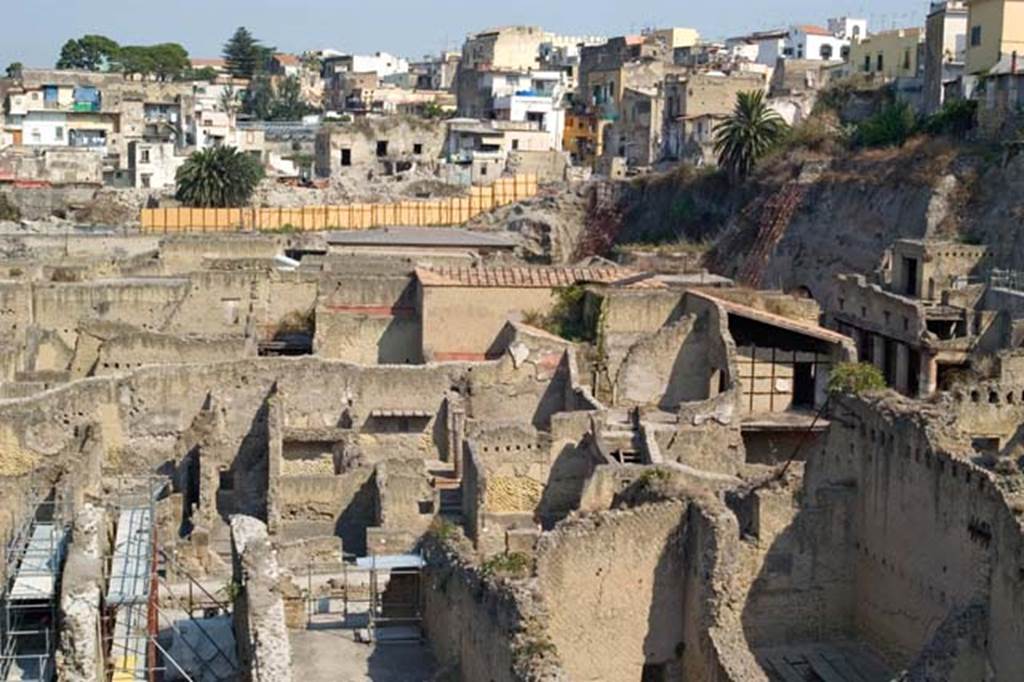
x=244, y=54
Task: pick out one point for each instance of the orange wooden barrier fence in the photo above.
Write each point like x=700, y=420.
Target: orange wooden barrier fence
x=435, y=212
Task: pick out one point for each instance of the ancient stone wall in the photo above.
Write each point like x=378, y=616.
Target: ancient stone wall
x=484, y=629
x=667, y=368
x=932, y=534
x=264, y=652
x=131, y=351
x=624, y=570
x=368, y=319
x=461, y=323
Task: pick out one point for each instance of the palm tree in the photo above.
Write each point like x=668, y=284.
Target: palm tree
x=221, y=177
x=745, y=136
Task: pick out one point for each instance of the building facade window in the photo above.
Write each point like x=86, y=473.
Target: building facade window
x=975, y=36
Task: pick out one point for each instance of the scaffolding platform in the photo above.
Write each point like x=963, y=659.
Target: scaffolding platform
x=36, y=577
x=131, y=562
x=128, y=591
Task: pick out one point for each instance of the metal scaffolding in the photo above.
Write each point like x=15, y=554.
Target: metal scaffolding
x=134, y=617
x=395, y=619
x=34, y=558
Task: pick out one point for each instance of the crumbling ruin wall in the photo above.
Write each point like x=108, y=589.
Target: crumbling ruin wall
x=405, y=505
x=715, y=647
x=130, y=351
x=614, y=583
x=666, y=368
x=625, y=317
x=182, y=254
x=485, y=629
x=264, y=652
x=148, y=305
x=932, y=534
x=80, y=655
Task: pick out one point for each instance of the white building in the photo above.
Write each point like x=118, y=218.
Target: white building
x=153, y=165
x=44, y=128
x=801, y=41
x=814, y=43
x=536, y=97
x=380, y=63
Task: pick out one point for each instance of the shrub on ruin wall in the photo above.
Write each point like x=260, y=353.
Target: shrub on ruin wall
x=513, y=565
x=856, y=378
x=566, y=318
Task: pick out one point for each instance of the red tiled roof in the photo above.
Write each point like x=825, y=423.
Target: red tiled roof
x=201, y=62
x=813, y=30
x=520, y=277
x=287, y=59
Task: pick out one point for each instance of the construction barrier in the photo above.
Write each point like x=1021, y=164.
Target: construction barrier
x=435, y=212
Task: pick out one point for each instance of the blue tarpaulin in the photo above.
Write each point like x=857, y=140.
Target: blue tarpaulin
x=87, y=93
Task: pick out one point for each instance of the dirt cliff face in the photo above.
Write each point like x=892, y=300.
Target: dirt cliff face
x=805, y=217
x=995, y=213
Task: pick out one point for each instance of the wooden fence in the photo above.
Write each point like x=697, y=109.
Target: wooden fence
x=435, y=212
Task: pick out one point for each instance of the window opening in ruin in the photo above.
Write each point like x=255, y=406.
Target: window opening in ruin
x=910, y=276
x=346, y=157
x=382, y=148
x=889, y=361
x=396, y=421
x=913, y=373
x=417, y=149
x=803, y=384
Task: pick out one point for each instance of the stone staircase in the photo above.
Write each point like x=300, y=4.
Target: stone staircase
x=448, y=490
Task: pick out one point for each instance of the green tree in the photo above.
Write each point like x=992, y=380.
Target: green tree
x=207, y=73
x=222, y=177
x=90, y=52
x=245, y=55
x=14, y=69
x=289, y=104
x=259, y=98
x=166, y=61
x=751, y=130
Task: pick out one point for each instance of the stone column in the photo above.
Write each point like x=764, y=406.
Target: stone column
x=929, y=380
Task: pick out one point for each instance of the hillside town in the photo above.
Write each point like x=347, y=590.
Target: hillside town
x=649, y=357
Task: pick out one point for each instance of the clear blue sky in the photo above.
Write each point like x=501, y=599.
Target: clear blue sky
x=33, y=31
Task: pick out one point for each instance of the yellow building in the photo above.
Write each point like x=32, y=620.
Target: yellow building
x=995, y=29
x=889, y=54
x=584, y=136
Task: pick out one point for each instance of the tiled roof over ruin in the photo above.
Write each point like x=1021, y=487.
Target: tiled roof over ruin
x=522, y=277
